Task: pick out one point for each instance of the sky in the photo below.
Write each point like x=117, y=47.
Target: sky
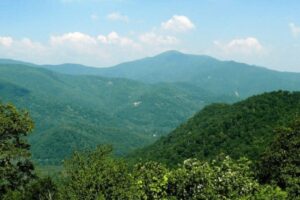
x=103, y=33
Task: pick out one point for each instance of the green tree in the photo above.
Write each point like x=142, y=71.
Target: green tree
x=222, y=179
x=16, y=170
x=95, y=175
x=280, y=163
x=151, y=179
x=41, y=189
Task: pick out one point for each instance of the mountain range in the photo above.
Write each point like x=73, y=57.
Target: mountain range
x=129, y=105
x=219, y=77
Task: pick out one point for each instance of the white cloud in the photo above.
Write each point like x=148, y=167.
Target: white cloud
x=6, y=41
x=75, y=47
x=295, y=30
x=178, y=23
x=74, y=37
x=241, y=46
x=30, y=45
x=96, y=50
x=152, y=38
x=23, y=49
x=115, y=38
x=116, y=16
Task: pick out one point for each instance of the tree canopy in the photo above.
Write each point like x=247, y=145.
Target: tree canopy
x=16, y=169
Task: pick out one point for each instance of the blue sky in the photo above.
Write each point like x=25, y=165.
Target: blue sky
x=106, y=32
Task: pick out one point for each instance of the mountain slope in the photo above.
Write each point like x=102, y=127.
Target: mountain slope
x=74, y=112
x=242, y=129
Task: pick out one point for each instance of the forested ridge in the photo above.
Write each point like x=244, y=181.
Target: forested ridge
x=242, y=129
x=271, y=173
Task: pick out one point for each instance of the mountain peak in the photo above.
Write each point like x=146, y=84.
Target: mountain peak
x=170, y=53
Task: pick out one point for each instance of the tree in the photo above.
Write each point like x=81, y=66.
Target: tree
x=151, y=179
x=224, y=178
x=16, y=170
x=95, y=175
x=41, y=189
x=280, y=163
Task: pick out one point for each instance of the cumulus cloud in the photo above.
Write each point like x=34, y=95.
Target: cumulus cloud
x=178, y=23
x=24, y=49
x=152, y=38
x=72, y=47
x=115, y=38
x=241, y=46
x=6, y=41
x=74, y=37
x=295, y=30
x=116, y=16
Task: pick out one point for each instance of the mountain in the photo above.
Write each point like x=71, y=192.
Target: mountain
x=16, y=62
x=241, y=129
x=74, y=112
x=72, y=69
x=218, y=77
x=129, y=105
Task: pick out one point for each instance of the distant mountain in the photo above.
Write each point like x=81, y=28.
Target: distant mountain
x=242, y=129
x=73, y=112
x=73, y=69
x=218, y=77
x=16, y=62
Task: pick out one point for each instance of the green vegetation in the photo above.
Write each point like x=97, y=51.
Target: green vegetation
x=82, y=110
x=95, y=174
x=16, y=170
x=226, y=151
x=242, y=129
x=280, y=163
x=77, y=112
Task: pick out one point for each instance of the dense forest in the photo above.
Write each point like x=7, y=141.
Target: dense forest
x=75, y=112
x=271, y=173
x=242, y=129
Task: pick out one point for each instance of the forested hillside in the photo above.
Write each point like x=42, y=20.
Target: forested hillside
x=72, y=112
x=95, y=174
x=242, y=129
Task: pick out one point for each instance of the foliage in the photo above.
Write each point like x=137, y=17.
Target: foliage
x=224, y=180
x=280, y=163
x=16, y=170
x=267, y=192
x=41, y=189
x=242, y=129
x=94, y=175
x=151, y=179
